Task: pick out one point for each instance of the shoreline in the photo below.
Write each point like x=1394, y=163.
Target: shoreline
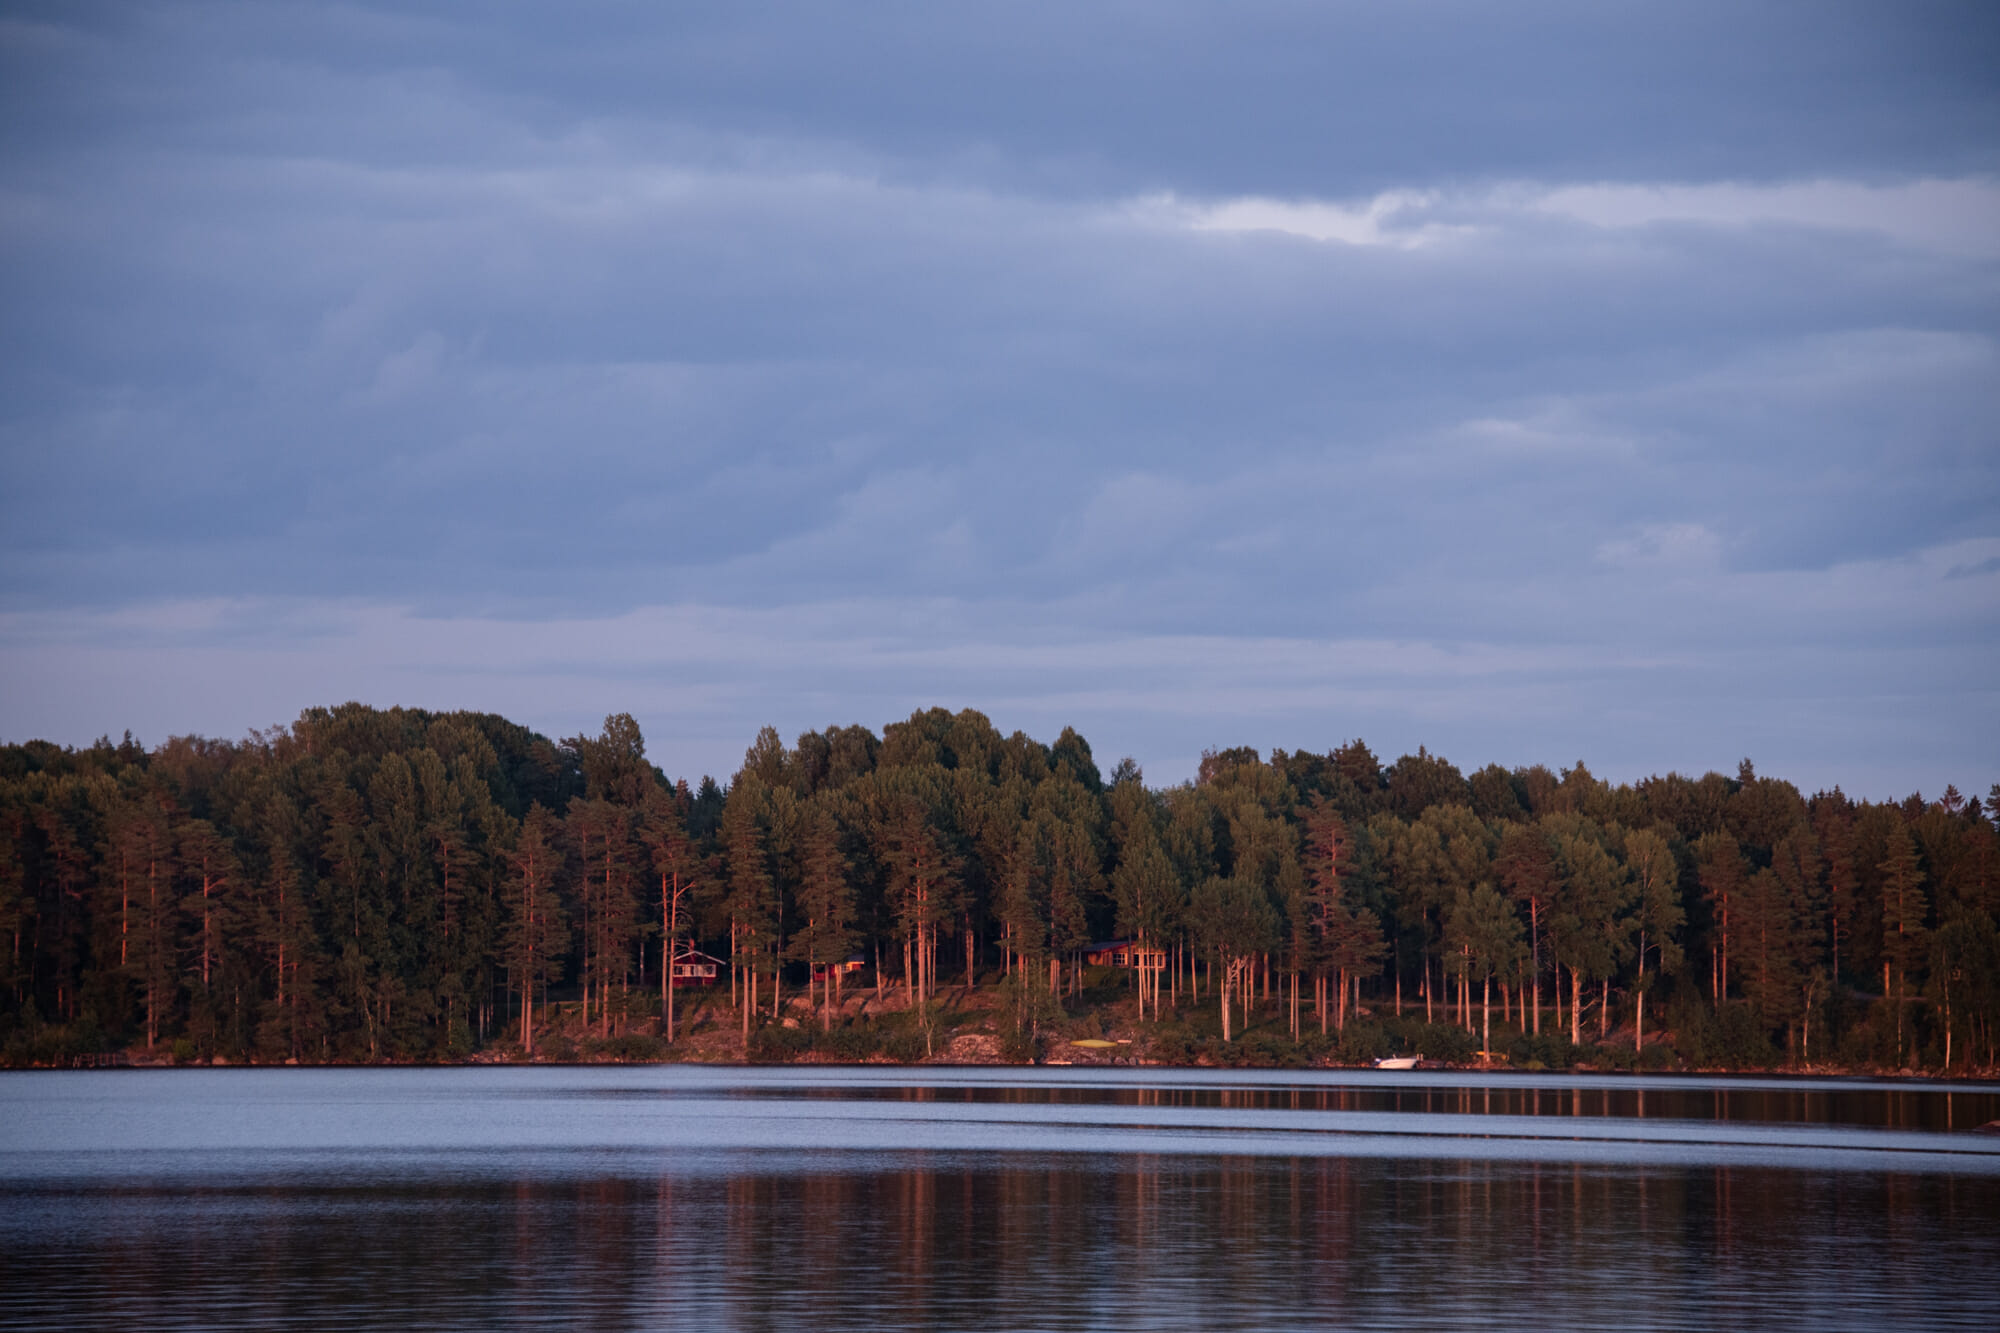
x=1983, y=1079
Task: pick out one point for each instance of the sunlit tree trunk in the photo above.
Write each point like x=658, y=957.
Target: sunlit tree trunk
x=1486, y=1015
x=1805, y=1035
x=672, y=926
x=1535, y=967
x=1947, y=1020
x=1639, y=991
x=154, y=930
x=527, y=971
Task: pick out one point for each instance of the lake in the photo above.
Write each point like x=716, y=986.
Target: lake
x=882, y=1198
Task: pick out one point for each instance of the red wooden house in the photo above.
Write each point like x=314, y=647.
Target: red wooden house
x=692, y=967
x=1125, y=953
x=854, y=962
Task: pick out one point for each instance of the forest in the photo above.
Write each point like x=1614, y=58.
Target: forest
x=398, y=885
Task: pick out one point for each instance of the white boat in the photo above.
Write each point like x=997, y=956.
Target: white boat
x=1398, y=1062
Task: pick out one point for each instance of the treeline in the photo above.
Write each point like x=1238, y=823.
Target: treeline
x=402, y=885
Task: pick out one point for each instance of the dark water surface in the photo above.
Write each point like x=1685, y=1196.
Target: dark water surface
x=884, y=1199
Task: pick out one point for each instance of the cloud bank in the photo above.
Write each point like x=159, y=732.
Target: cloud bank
x=1557, y=384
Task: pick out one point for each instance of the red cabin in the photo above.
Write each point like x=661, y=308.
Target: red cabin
x=854, y=962
x=692, y=967
x=1126, y=953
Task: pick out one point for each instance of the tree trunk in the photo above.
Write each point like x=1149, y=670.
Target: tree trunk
x=527, y=969
x=1575, y=1007
x=1535, y=936
x=152, y=958
x=1486, y=1019
x=1639, y=991
x=1805, y=1035
x=1947, y=1020
x=1465, y=989
x=667, y=981
x=1639, y=1028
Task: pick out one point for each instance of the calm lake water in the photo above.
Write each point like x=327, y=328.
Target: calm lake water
x=882, y=1199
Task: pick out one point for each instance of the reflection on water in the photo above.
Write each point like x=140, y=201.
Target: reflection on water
x=569, y=1215
x=1767, y=1101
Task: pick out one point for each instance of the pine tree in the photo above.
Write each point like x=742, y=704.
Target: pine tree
x=1234, y=922
x=143, y=861
x=1904, y=909
x=753, y=924
x=210, y=872
x=1144, y=888
x=664, y=831
x=826, y=902
x=17, y=905
x=1343, y=939
x=1592, y=930
x=1485, y=926
x=923, y=888
x=1527, y=869
x=292, y=1011
x=537, y=934
x=601, y=832
x=1657, y=915
x=1720, y=859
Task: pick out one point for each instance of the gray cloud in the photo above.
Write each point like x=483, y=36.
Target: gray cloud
x=1647, y=367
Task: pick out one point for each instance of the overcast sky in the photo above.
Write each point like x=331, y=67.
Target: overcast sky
x=1532, y=382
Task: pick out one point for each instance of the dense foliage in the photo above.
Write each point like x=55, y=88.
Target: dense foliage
x=395, y=885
